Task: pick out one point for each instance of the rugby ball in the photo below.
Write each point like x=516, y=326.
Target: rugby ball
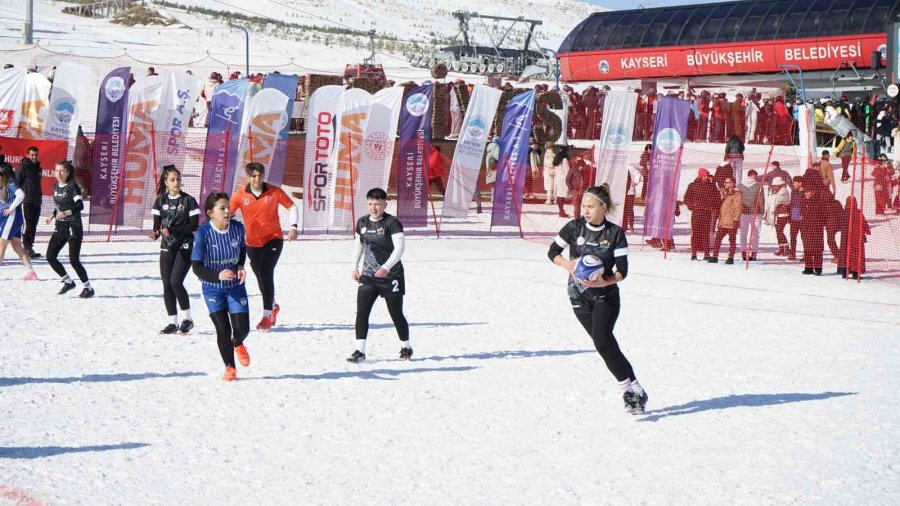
x=588, y=268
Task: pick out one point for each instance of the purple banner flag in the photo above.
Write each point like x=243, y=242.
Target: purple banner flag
x=415, y=144
x=668, y=143
x=286, y=84
x=513, y=160
x=109, y=147
x=226, y=119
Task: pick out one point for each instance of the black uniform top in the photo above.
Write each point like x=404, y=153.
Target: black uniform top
x=378, y=244
x=67, y=198
x=180, y=215
x=29, y=179
x=607, y=242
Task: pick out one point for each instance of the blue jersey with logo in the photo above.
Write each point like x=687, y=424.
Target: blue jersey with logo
x=11, y=188
x=219, y=250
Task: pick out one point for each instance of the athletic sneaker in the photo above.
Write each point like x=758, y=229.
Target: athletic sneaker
x=265, y=324
x=275, y=310
x=242, y=355
x=632, y=403
x=405, y=353
x=87, y=293
x=641, y=396
x=186, y=326
x=357, y=357
x=30, y=276
x=66, y=287
x=230, y=374
x=170, y=329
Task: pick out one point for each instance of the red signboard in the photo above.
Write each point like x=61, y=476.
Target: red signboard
x=824, y=53
x=49, y=152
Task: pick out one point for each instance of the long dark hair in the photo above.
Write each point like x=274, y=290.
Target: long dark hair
x=4, y=182
x=161, y=184
x=70, y=169
x=560, y=153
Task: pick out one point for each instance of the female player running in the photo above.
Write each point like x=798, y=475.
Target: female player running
x=380, y=246
x=67, y=213
x=218, y=260
x=596, y=303
x=12, y=220
x=176, y=216
x=258, y=203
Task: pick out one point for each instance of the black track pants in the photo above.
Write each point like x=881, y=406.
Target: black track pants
x=173, y=268
x=231, y=330
x=365, y=300
x=263, y=261
x=598, y=319
x=57, y=241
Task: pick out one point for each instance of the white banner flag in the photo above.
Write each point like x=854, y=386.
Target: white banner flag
x=140, y=158
x=378, y=146
x=12, y=94
x=268, y=115
x=469, y=151
x=318, y=163
x=354, y=120
x=69, y=95
x=177, y=99
x=35, y=107
x=611, y=152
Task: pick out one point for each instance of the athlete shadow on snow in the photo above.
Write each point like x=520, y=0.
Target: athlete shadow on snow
x=317, y=327
x=737, y=401
x=372, y=374
x=38, y=452
x=98, y=378
x=508, y=354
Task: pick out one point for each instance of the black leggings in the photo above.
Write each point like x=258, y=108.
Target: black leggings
x=599, y=319
x=263, y=261
x=231, y=330
x=365, y=300
x=173, y=268
x=57, y=241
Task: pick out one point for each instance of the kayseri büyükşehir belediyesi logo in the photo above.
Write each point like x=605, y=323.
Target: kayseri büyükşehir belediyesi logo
x=417, y=104
x=604, y=67
x=114, y=89
x=63, y=110
x=617, y=136
x=668, y=140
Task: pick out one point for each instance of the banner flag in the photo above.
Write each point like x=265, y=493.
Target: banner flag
x=668, y=144
x=513, y=160
x=12, y=94
x=412, y=161
x=260, y=138
x=354, y=120
x=319, y=158
x=286, y=84
x=469, y=154
x=139, y=184
x=226, y=122
x=35, y=107
x=67, y=99
x=611, y=153
x=179, y=94
x=377, y=154
x=109, y=144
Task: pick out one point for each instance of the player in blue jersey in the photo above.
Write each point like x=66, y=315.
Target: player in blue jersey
x=218, y=260
x=12, y=219
x=596, y=303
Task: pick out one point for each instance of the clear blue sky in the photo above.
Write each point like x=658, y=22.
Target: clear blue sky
x=633, y=4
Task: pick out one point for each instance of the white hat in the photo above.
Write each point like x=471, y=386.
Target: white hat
x=777, y=181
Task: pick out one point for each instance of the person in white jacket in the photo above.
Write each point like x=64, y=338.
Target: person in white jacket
x=560, y=171
x=778, y=212
x=549, y=174
x=635, y=180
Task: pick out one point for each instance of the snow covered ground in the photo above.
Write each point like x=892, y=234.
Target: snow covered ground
x=766, y=387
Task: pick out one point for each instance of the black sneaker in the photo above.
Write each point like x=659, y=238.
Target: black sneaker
x=642, y=398
x=87, y=293
x=808, y=270
x=186, y=326
x=66, y=287
x=693, y=257
x=817, y=271
x=34, y=254
x=170, y=329
x=729, y=261
x=357, y=357
x=632, y=403
x=405, y=353
x=713, y=260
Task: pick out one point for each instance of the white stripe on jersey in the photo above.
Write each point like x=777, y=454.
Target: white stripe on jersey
x=7, y=230
x=76, y=198
x=620, y=252
x=154, y=212
x=560, y=242
x=193, y=212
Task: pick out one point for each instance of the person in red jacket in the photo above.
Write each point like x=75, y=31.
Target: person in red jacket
x=854, y=229
x=436, y=169
x=703, y=199
x=883, y=175
x=812, y=225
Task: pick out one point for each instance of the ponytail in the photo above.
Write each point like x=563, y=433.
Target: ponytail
x=601, y=193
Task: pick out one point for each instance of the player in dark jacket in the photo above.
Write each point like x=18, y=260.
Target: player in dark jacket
x=596, y=303
x=29, y=179
x=380, y=247
x=176, y=217
x=67, y=213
